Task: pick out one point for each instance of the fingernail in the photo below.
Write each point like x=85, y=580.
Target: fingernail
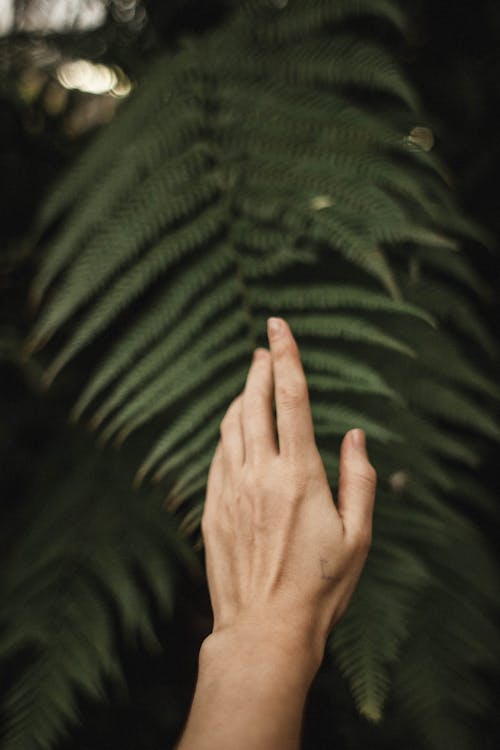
x=358, y=439
x=274, y=326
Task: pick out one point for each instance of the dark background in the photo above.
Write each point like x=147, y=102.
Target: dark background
x=454, y=61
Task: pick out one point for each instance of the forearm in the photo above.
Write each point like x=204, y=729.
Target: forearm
x=250, y=694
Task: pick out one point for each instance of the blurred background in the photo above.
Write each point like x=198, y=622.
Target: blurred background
x=66, y=67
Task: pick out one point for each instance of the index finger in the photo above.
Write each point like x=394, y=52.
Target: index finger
x=215, y=481
x=293, y=411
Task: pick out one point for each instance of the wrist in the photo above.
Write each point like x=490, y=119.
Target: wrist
x=283, y=654
x=251, y=687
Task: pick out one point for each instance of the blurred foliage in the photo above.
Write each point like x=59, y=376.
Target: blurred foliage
x=87, y=564
x=44, y=456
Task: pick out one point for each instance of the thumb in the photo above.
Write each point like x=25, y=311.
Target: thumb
x=357, y=486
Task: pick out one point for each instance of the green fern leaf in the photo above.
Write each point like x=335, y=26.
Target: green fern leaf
x=174, y=383
x=321, y=296
x=449, y=305
x=123, y=237
x=165, y=312
x=59, y=594
x=353, y=329
x=153, y=93
x=133, y=282
x=163, y=366
x=114, y=189
x=214, y=398
x=367, y=641
x=310, y=16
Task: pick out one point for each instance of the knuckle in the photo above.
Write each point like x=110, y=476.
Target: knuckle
x=302, y=469
x=300, y=485
x=360, y=543
x=255, y=405
x=250, y=479
x=255, y=480
x=292, y=392
x=367, y=477
x=365, y=540
x=298, y=476
x=372, y=475
x=315, y=464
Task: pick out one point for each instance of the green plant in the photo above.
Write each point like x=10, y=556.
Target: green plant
x=282, y=164
x=91, y=557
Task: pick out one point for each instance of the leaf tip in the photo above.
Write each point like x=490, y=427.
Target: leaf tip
x=75, y=414
x=50, y=375
x=139, y=477
x=121, y=437
x=95, y=421
x=372, y=713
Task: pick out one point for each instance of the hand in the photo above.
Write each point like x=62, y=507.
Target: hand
x=282, y=560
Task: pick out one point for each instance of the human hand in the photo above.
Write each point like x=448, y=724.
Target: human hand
x=282, y=560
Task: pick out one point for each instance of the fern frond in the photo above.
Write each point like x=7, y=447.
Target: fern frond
x=155, y=90
x=343, y=232
x=152, y=365
x=198, y=469
x=426, y=434
x=352, y=329
x=329, y=384
x=190, y=449
x=114, y=189
x=287, y=25
x=456, y=267
x=215, y=398
x=132, y=283
x=187, y=378
x=149, y=326
x=316, y=167
x=446, y=622
x=450, y=305
x=345, y=367
x=321, y=296
x=333, y=418
x=123, y=237
x=60, y=594
x=331, y=61
x=457, y=408
x=294, y=114
x=441, y=354
x=367, y=641
x=43, y=698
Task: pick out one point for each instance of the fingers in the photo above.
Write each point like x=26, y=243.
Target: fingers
x=356, y=493
x=257, y=409
x=233, y=447
x=293, y=411
x=215, y=483
x=218, y=577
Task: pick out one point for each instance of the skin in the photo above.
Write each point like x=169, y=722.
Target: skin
x=282, y=559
